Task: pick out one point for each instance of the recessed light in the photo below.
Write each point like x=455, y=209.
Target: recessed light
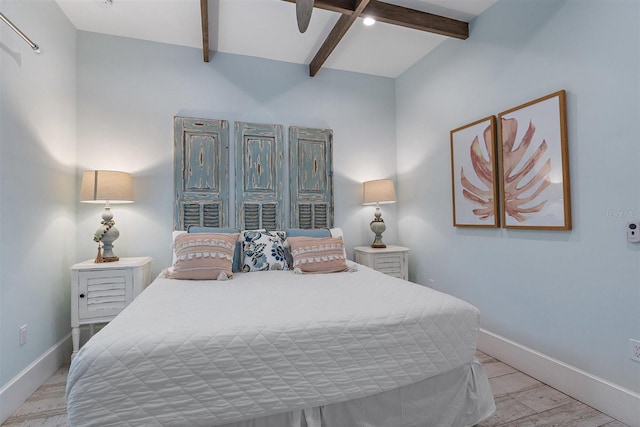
x=369, y=21
x=104, y=3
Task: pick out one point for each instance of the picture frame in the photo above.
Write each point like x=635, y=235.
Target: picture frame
x=474, y=174
x=534, y=165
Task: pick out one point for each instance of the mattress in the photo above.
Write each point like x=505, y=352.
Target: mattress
x=208, y=353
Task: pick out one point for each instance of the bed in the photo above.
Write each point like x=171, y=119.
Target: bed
x=326, y=343
x=280, y=349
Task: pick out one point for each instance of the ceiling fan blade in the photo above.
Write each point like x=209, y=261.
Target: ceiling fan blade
x=304, y=8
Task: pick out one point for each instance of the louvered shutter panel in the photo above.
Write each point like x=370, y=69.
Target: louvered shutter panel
x=201, y=172
x=259, y=178
x=311, y=177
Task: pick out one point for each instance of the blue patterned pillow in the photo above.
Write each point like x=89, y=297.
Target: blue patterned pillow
x=263, y=250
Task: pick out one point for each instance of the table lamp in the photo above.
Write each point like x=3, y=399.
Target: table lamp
x=378, y=192
x=101, y=186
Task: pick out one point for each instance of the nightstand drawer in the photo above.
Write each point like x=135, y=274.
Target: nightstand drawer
x=388, y=263
x=392, y=260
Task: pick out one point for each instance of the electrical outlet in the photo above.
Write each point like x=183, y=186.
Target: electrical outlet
x=23, y=335
x=633, y=231
x=634, y=350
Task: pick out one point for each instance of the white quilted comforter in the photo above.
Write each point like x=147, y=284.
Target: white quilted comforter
x=205, y=353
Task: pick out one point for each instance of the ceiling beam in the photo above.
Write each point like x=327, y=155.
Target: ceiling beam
x=401, y=16
x=337, y=33
x=204, y=16
x=340, y=6
x=410, y=18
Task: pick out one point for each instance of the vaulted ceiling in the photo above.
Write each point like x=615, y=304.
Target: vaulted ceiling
x=268, y=28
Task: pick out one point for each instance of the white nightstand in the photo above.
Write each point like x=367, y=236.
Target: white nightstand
x=100, y=291
x=392, y=260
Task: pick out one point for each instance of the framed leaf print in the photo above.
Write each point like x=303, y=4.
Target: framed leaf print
x=535, y=165
x=474, y=174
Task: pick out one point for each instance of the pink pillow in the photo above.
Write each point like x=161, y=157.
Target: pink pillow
x=318, y=254
x=203, y=256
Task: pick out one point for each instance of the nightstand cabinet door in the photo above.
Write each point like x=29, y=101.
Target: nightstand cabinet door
x=103, y=294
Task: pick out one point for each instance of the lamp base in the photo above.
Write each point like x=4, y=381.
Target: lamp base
x=106, y=234
x=378, y=226
x=100, y=259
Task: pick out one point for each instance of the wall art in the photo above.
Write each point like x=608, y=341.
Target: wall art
x=474, y=174
x=534, y=177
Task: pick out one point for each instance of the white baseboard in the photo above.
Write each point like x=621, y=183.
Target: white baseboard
x=609, y=398
x=17, y=391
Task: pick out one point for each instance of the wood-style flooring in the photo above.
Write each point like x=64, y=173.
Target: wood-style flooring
x=523, y=401
x=520, y=401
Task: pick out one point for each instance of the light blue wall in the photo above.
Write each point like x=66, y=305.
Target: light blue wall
x=130, y=90
x=574, y=295
x=37, y=181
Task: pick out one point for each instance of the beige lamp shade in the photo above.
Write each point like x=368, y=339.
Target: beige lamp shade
x=101, y=186
x=378, y=191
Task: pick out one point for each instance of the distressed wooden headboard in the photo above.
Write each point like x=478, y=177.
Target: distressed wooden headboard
x=262, y=198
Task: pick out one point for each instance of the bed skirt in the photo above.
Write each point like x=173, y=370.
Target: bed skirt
x=460, y=397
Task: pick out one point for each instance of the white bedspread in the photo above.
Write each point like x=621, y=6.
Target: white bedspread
x=206, y=353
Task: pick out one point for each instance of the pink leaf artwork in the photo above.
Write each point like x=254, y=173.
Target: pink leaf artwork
x=483, y=169
x=520, y=188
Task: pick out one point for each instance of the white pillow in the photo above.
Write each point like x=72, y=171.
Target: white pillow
x=173, y=249
x=337, y=232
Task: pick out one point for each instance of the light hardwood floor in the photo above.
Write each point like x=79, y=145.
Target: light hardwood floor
x=520, y=401
x=523, y=401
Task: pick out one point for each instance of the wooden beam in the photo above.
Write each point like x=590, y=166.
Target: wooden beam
x=334, y=37
x=410, y=18
x=401, y=16
x=204, y=13
x=340, y=6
